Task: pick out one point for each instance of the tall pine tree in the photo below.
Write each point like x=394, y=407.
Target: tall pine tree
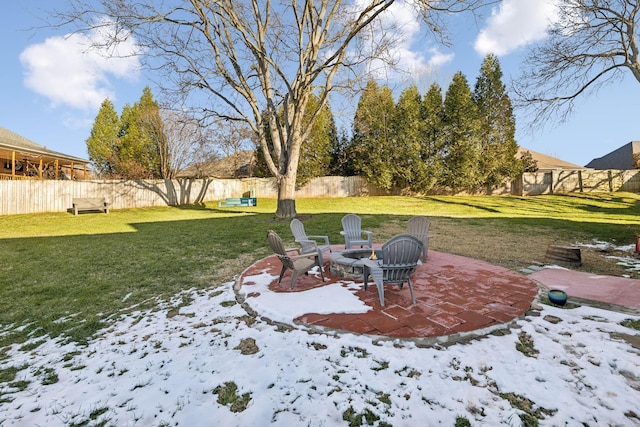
x=410, y=170
x=141, y=139
x=340, y=146
x=497, y=126
x=315, y=152
x=462, y=148
x=431, y=150
x=103, y=142
x=372, y=147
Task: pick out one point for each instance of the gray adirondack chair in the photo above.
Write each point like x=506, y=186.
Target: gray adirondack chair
x=309, y=243
x=400, y=256
x=418, y=226
x=300, y=263
x=353, y=233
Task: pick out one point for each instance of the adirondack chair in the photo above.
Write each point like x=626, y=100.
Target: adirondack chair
x=353, y=233
x=300, y=263
x=400, y=256
x=308, y=243
x=418, y=226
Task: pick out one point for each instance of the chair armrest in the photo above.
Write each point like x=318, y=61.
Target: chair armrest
x=310, y=242
x=325, y=238
x=420, y=237
x=307, y=255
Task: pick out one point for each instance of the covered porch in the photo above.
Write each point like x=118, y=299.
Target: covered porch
x=21, y=158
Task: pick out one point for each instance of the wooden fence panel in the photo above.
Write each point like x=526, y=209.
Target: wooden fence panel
x=627, y=180
x=36, y=196
x=536, y=183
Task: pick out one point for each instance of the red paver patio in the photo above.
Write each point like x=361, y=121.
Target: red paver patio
x=454, y=296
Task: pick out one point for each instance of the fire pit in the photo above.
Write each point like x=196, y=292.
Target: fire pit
x=347, y=263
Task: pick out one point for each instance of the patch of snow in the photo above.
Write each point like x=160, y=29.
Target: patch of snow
x=281, y=307
x=630, y=262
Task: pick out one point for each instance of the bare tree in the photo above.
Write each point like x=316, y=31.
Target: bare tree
x=257, y=61
x=592, y=43
x=236, y=141
x=185, y=142
x=232, y=137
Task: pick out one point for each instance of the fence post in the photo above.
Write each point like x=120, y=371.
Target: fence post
x=580, y=181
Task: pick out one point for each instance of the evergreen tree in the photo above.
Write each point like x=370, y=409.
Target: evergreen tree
x=103, y=141
x=372, y=147
x=260, y=168
x=431, y=151
x=340, y=154
x=410, y=170
x=141, y=139
x=497, y=125
x=315, y=152
x=461, y=144
x=529, y=164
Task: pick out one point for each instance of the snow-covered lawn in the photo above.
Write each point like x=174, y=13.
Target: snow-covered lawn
x=203, y=361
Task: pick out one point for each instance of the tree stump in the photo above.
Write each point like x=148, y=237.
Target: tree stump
x=564, y=255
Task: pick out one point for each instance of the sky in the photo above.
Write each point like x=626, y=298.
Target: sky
x=168, y=365
x=52, y=89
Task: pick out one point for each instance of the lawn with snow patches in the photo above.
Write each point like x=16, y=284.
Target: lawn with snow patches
x=630, y=262
x=211, y=364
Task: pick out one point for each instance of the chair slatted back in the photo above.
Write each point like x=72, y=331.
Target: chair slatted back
x=352, y=226
x=277, y=246
x=300, y=235
x=400, y=257
x=418, y=226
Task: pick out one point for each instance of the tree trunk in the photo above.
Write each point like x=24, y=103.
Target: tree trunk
x=286, y=197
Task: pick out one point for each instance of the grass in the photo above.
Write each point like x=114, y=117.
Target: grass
x=67, y=276
x=228, y=396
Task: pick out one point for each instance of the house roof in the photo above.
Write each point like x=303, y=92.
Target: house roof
x=11, y=142
x=545, y=162
x=237, y=165
x=620, y=159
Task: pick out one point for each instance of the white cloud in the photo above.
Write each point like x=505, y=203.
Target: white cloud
x=515, y=24
x=403, y=17
x=439, y=59
x=401, y=24
x=68, y=71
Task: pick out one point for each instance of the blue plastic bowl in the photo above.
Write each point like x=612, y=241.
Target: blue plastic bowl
x=557, y=296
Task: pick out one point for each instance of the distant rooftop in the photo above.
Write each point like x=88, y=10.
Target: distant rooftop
x=620, y=159
x=549, y=163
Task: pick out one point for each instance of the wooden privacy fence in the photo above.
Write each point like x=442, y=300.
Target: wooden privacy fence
x=580, y=181
x=36, y=196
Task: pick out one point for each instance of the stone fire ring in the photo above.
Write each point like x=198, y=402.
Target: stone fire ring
x=347, y=263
